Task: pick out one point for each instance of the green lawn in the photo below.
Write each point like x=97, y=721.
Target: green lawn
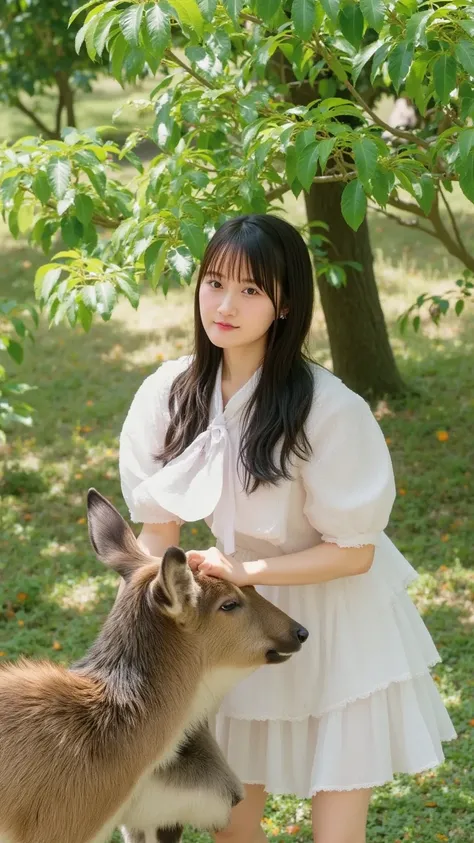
x=55, y=594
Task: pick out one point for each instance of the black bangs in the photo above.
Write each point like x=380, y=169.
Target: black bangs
x=251, y=252
x=270, y=252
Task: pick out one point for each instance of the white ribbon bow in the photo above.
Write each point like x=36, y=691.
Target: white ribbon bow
x=198, y=482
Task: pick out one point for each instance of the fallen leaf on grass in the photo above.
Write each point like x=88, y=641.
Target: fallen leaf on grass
x=57, y=645
x=431, y=804
x=442, y=435
x=292, y=829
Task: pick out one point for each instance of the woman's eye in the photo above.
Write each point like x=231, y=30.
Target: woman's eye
x=214, y=284
x=250, y=291
x=229, y=605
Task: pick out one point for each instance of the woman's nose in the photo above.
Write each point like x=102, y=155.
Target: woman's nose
x=227, y=304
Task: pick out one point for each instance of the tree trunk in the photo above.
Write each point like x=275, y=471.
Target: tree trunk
x=360, y=348
x=66, y=97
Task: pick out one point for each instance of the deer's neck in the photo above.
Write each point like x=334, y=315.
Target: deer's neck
x=148, y=674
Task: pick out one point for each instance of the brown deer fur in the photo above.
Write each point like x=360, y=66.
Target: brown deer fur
x=78, y=745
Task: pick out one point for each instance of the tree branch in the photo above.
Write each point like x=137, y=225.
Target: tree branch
x=452, y=218
x=399, y=133
x=17, y=103
x=276, y=192
x=172, y=57
x=409, y=207
x=405, y=223
x=443, y=234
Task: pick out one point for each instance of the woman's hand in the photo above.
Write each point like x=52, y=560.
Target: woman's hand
x=213, y=563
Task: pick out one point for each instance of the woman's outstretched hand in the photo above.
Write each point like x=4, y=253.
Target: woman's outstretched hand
x=213, y=563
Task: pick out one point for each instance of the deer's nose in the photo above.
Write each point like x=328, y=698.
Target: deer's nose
x=302, y=634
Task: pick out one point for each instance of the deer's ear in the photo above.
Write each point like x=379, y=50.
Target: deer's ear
x=175, y=588
x=111, y=537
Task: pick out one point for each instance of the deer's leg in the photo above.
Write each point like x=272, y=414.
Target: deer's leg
x=169, y=835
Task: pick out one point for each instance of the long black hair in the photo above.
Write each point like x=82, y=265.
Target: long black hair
x=276, y=413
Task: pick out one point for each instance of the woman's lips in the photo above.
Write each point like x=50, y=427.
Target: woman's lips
x=224, y=326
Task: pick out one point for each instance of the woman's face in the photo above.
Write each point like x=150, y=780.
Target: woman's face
x=235, y=313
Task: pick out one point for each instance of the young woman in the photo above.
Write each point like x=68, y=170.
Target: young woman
x=292, y=474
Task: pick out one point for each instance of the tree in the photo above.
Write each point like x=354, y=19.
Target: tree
x=37, y=53
x=232, y=136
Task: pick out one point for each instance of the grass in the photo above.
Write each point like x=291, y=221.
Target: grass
x=55, y=594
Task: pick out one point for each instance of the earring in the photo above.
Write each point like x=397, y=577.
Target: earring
x=282, y=316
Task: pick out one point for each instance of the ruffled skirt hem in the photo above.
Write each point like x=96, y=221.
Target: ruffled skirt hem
x=398, y=729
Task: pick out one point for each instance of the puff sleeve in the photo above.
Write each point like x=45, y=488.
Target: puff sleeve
x=349, y=482
x=141, y=438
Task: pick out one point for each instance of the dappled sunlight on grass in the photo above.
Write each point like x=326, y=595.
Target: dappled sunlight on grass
x=55, y=593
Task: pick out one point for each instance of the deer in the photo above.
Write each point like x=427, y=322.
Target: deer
x=120, y=738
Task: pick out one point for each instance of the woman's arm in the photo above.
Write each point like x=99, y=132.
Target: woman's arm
x=318, y=564
x=154, y=539
x=322, y=563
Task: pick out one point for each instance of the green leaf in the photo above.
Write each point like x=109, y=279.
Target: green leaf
x=351, y=21
x=208, y=8
x=465, y=169
x=129, y=287
x=155, y=259
x=444, y=76
x=117, y=55
x=65, y=202
x=466, y=93
x=325, y=149
x=353, y=204
x=89, y=296
x=84, y=314
x=416, y=26
x=290, y=163
x=360, y=60
x=106, y=299
x=102, y=31
x=267, y=9
x=46, y=280
x=466, y=142
x=15, y=350
x=468, y=26
x=181, y=260
x=25, y=217
x=399, y=63
x=189, y=13
x=365, y=155
x=194, y=237
x=84, y=208
x=426, y=195
x=302, y=15
x=130, y=21
x=374, y=13
x=59, y=174
x=71, y=230
x=379, y=57
x=157, y=32
x=307, y=164
x=382, y=184
x=459, y=307
x=41, y=187
x=331, y=7
x=465, y=55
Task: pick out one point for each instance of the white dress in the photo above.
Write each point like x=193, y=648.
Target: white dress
x=357, y=703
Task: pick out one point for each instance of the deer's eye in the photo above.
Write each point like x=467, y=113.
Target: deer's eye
x=229, y=606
